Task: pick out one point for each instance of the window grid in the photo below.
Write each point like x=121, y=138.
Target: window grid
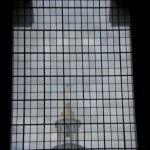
x=81, y=44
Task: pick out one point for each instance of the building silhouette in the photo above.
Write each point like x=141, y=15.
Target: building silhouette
x=67, y=127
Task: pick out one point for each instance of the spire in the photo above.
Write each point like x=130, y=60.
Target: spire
x=67, y=126
x=67, y=112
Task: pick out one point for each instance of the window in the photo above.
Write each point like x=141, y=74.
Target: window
x=82, y=48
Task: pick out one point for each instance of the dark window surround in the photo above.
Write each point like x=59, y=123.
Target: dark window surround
x=139, y=20
x=5, y=73
x=140, y=47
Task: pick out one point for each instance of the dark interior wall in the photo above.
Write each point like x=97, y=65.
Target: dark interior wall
x=140, y=47
x=5, y=73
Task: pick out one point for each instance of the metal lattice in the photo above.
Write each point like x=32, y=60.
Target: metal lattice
x=78, y=47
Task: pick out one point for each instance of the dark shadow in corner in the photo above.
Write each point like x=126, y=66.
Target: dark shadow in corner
x=119, y=13
x=22, y=13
